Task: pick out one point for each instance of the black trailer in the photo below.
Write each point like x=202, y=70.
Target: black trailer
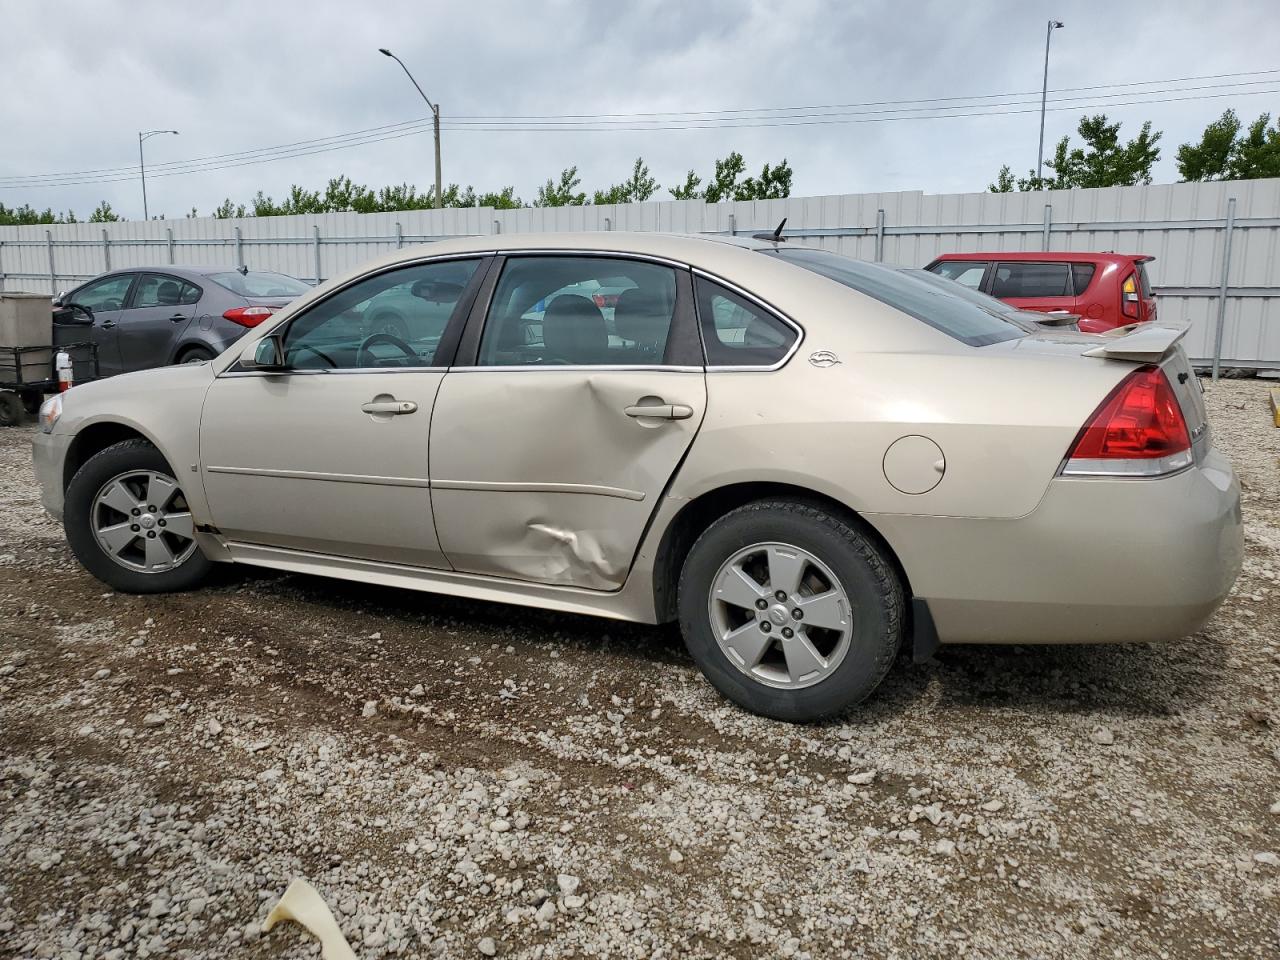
x=28, y=373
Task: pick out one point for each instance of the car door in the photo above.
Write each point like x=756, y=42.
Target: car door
x=1034, y=285
x=106, y=297
x=555, y=435
x=159, y=309
x=330, y=454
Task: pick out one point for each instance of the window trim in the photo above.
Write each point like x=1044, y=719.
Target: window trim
x=137, y=287
x=448, y=339
x=764, y=305
x=684, y=315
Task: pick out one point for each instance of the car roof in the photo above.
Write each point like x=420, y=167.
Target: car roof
x=183, y=270
x=1051, y=256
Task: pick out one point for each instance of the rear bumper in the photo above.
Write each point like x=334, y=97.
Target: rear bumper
x=1098, y=561
x=48, y=454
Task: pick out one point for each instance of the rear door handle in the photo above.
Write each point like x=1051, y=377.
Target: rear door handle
x=660, y=411
x=177, y=318
x=393, y=407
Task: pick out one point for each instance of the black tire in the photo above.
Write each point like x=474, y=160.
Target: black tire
x=77, y=522
x=858, y=563
x=31, y=401
x=11, y=412
x=195, y=355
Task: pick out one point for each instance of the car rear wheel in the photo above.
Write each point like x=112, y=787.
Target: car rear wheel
x=129, y=524
x=196, y=355
x=789, y=610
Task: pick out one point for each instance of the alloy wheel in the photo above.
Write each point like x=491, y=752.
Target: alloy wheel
x=780, y=615
x=141, y=520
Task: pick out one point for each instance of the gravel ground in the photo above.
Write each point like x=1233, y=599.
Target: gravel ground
x=460, y=778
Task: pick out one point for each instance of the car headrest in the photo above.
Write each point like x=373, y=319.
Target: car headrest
x=643, y=317
x=573, y=330
x=167, y=293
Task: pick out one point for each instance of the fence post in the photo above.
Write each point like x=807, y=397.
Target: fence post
x=733, y=225
x=106, y=251
x=1048, y=222
x=497, y=226
x=53, y=274
x=2, y=266
x=315, y=249
x=168, y=231
x=1228, y=226
x=399, y=235
x=880, y=236
x=239, y=249
x=608, y=224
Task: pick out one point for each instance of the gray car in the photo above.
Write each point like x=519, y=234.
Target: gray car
x=145, y=317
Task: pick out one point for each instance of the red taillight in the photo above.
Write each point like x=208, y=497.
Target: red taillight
x=1139, y=430
x=248, y=316
x=1129, y=296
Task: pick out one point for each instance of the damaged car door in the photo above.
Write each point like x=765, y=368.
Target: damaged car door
x=576, y=393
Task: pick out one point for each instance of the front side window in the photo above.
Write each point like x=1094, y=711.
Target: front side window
x=968, y=272
x=737, y=332
x=107, y=294
x=579, y=311
x=393, y=319
x=1032, y=280
x=155, y=290
x=955, y=315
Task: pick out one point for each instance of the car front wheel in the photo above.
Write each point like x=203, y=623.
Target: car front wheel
x=790, y=610
x=129, y=524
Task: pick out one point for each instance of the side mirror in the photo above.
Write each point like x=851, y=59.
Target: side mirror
x=57, y=301
x=264, y=354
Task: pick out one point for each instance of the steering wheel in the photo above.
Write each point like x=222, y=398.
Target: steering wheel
x=319, y=353
x=383, y=337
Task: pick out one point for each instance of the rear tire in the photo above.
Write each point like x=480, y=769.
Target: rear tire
x=196, y=355
x=152, y=551
x=790, y=610
x=11, y=411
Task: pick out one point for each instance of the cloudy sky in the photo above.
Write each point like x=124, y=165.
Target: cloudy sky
x=83, y=78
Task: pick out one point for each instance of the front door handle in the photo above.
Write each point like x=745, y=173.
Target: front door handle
x=108, y=324
x=660, y=411
x=392, y=407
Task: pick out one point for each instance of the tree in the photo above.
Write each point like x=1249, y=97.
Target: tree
x=773, y=182
x=552, y=194
x=637, y=188
x=226, y=211
x=26, y=215
x=1210, y=159
x=104, y=214
x=1101, y=162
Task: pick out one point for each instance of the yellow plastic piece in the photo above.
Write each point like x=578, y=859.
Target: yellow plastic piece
x=302, y=904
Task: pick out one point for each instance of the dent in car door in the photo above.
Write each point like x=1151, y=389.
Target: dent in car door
x=550, y=471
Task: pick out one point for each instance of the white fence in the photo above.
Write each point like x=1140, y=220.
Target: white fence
x=1217, y=245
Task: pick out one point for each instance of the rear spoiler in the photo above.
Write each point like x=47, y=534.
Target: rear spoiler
x=1145, y=342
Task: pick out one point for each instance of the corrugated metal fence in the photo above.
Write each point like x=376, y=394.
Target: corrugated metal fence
x=1217, y=245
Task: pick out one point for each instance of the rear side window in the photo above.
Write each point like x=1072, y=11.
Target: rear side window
x=1032, y=280
x=739, y=333
x=1081, y=277
x=967, y=272
x=926, y=300
x=154, y=290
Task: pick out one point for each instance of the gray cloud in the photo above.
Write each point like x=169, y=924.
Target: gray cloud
x=82, y=79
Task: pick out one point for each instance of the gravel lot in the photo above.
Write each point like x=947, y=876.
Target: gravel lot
x=446, y=772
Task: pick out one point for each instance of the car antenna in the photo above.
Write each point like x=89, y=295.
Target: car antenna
x=775, y=237
x=243, y=270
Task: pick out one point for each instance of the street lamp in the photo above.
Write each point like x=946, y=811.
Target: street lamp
x=1044, y=90
x=435, y=113
x=142, y=167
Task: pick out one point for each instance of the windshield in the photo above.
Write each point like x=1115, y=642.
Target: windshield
x=254, y=284
x=933, y=304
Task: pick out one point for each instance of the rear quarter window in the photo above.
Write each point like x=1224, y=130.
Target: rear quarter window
x=926, y=301
x=1081, y=277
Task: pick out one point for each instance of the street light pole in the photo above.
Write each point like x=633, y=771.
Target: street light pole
x=435, y=114
x=142, y=167
x=1044, y=91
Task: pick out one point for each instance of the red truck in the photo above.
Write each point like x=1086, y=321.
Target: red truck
x=1106, y=290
